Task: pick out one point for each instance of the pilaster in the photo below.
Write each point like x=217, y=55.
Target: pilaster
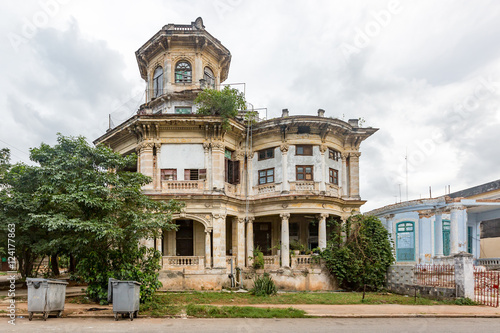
x=285, y=186
x=285, y=240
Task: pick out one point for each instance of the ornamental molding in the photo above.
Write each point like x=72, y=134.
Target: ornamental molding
x=285, y=216
x=323, y=148
x=284, y=147
x=356, y=154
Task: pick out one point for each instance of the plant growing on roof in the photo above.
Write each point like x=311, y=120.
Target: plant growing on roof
x=224, y=103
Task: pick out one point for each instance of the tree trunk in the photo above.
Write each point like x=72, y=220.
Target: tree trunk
x=54, y=264
x=364, y=291
x=72, y=263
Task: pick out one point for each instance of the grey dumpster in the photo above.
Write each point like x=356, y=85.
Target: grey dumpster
x=45, y=296
x=125, y=296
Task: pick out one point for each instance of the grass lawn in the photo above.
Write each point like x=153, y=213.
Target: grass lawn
x=226, y=298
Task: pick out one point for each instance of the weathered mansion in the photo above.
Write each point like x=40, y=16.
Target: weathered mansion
x=270, y=184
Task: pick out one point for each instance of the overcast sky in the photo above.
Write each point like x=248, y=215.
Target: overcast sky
x=426, y=73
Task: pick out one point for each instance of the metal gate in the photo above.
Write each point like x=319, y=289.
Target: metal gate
x=486, y=286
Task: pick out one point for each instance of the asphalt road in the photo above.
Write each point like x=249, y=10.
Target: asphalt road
x=316, y=325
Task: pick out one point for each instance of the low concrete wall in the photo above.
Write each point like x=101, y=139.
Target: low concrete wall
x=422, y=291
x=400, y=274
x=307, y=279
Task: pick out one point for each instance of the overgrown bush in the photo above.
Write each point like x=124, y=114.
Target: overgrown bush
x=360, y=259
x=264, y=286
x=258, y=258
x=224, y=103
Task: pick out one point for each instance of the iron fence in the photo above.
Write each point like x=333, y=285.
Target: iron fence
x=435, y=275
x=486, y=286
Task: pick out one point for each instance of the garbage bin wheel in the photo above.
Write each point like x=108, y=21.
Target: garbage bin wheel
x=30, y=316
x=116, y=316
x=131, y=315
x=135, y=314
x=59, y=314
x=45, y=316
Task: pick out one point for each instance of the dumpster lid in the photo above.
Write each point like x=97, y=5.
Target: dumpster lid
x=52, y=281
x=123, y=281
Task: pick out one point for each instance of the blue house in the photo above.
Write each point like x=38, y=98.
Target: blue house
x=430, y=230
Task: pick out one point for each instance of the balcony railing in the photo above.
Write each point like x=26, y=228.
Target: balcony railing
x=179, y=262
x=305, y=261
x=182, y=185
x=304, y=186
x=271, y=262
x=263, y=189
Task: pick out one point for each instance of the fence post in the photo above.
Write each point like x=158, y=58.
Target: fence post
x=464, y=275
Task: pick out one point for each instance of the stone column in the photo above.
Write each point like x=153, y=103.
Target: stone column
x=324, y=173
x=344, y=183
x=322, y=231
x=218, y=167
x=240, y=252
x=250, y=175
x=464, y=275
x=158, y=166
x=343, y=234
x=219, y=240
x=285, y=186
x=208, y=248
x=438, y=234
x=208, y=181
x=146, y=165
x=250, y=241
x=285, y=240
x=458, y=228
x=354, y=175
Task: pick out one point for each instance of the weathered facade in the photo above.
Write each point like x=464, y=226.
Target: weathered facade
x=271, y=184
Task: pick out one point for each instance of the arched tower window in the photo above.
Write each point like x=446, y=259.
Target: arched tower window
x=209, y=77
x=183, y=72
x=405, y=241
x=158, y=82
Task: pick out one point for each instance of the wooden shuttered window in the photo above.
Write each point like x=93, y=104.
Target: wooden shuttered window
x=195, y=174
x=232, y=171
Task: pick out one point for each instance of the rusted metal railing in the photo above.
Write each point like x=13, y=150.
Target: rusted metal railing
x=486, y=286
x=435, y=275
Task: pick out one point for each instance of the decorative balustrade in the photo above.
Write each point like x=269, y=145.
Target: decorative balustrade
x=172, y=262
x=271, y=261
x=301, y=186
x=182, y=185
x=263, y=189
x=303, y=261
x=491, y=263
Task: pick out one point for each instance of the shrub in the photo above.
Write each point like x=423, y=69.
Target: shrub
x=264, y=286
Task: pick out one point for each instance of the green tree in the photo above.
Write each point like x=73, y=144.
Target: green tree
x=224, y=103
x=96, y=210
x=359, y=253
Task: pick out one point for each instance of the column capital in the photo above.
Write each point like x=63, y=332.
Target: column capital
x=206, y=145
x=218, y=146
x=219, y=215
x=456, y=206
x=344, y=156
x=355, y=154
x=285, y=216
x=284, y=147
x=324, y=215
x=250, y=219
x=208, y=230
x=323, y=148
x=239, y=154
x=240, y=220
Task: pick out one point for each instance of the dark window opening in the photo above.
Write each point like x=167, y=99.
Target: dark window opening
x=304, y=130
x=168, y=174
x=305, y=150
x=333, y=154
x=304, y=172
x=209, y=77
x=184, y=238
x=195, y=174
x=266, y=176
x=183, y=72
x=334, y=176
x=266, y=154
x=232, y=175
x=158, y=82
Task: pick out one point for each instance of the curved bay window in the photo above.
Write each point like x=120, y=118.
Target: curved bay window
x=183, y=72
x=405, y=241
x=209, y=77
x=158, y=82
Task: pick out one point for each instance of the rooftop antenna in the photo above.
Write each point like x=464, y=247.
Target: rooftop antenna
x=406, y=159
x=399, y=192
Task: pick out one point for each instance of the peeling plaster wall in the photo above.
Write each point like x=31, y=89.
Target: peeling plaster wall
x=182, y=156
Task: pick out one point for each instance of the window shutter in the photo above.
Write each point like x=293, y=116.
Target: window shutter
x=236, y=172
x=187, y=174
x=202, y=174
x=226, y=169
